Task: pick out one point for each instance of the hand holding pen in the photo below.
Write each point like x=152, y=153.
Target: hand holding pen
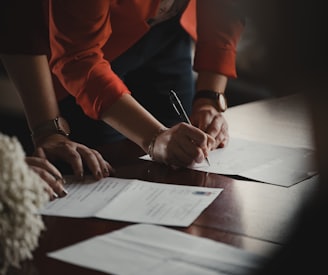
x=176, y=103
x=182, y=145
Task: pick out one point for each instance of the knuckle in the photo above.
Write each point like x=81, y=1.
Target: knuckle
x=44, y=161
x=42, y=173
x=73, y=155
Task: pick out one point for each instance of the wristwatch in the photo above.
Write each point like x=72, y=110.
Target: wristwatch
x=53, y=126
x=219, y=98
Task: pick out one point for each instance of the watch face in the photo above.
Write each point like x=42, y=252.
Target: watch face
x=62, y=126
x=218, y=98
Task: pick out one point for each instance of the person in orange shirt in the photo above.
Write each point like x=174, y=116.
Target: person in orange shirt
x=116, y=61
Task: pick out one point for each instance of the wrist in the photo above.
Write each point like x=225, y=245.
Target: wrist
x=216, y=99
x=150, y=149
x=58, y=125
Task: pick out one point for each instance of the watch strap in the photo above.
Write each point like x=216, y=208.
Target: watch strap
x=57, y=125
x=219, y=98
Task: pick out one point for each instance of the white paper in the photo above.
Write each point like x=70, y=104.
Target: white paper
x=263, y=162
x=156, y=250
x=133, y=201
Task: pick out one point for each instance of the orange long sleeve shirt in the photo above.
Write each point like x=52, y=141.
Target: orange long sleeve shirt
x=85, y=36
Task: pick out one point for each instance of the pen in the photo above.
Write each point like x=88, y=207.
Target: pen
x=176, y=103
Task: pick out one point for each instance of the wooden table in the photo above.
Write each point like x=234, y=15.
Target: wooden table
x=247, y=214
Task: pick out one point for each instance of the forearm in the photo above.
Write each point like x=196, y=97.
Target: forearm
x=211, y=81
x=31, y=76
x=129, y=118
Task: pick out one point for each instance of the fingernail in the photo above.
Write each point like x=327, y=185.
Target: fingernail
x=54, y=195
x=106, y=172
x=99, y=174
x=64, y=192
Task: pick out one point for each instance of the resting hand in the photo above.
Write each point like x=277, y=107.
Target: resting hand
x=181, y=146
x=212, y=122
x=49, y=173
x=57, y=147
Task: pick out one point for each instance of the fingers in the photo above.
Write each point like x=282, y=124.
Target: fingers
x=56, y=185
x=95, y=162
x=197, y=142
x=223, y=138
x=187, y=144
x=188, y=153
x=213, y=123
x=78, y=155
x=182, y=146
x=51, y=176
x=44, y=164
x=68, y=153
x=106, y=168
x=39, y=152
x=218, y=129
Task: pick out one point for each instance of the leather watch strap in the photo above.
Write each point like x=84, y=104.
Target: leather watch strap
x=57, y=125
x=219, y=98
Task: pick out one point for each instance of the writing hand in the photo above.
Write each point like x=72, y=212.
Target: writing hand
x=181, y=146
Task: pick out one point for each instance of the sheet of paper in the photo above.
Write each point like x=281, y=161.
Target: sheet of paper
x=282, y=121
x=263, y=162
x=133, y=201
x=156, y=250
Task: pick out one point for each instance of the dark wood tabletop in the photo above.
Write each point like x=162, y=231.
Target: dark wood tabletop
x=253, y=216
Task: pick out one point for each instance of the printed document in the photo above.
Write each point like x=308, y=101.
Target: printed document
x=156, y=250
x=133, y=200
x=268, y=163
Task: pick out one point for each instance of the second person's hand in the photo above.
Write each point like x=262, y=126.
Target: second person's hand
x=212, y=122
x=57, y=147
x=54, y=182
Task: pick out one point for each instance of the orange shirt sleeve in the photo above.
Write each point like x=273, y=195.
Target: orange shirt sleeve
x=78, y=30
x=219, y=27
